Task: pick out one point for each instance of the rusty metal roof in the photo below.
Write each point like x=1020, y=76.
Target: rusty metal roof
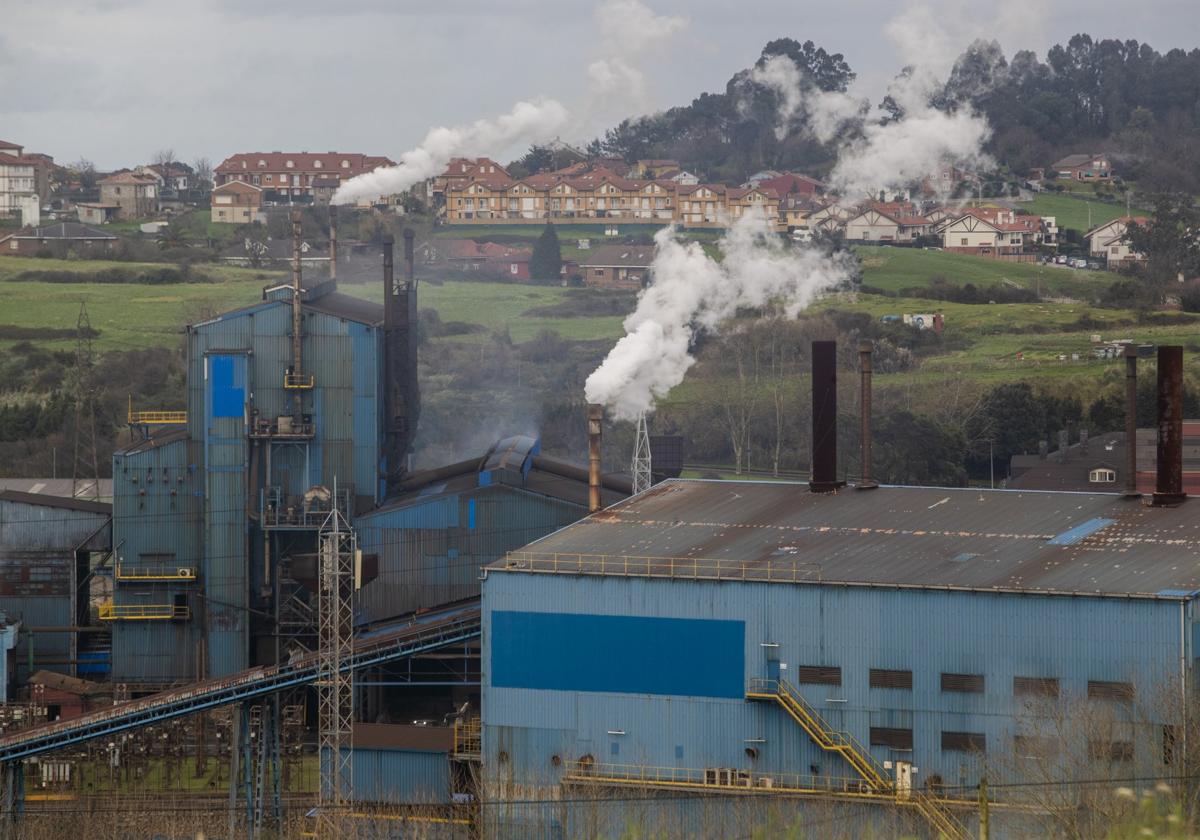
x=994, y=540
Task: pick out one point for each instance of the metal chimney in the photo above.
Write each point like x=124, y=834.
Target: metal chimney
x=1083, y=441
x=297, y=361
x=1064, y=444
x=333, y=223
x=823, y=477
x=864, y=357
x=1168, y=485
x=595, y=422
x=1131, y=357
x=409, y=270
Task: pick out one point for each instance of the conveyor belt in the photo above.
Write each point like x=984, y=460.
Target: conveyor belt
x=418, y=634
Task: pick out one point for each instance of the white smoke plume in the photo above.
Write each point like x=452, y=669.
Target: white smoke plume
x=527, y=122
x=691, y=291
x=628, y=29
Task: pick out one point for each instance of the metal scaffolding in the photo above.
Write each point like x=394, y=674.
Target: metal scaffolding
x=640, y=468
x=338, y=553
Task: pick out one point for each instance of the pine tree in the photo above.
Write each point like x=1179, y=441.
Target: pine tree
x=546, y=262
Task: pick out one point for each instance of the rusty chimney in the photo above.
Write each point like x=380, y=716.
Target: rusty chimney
x=823, y=476
x=297, y=361
x=1168, y=485
x=1131, y=357
x=595, y=421
x=333, y=241
x=864, y=357
x=409, y=270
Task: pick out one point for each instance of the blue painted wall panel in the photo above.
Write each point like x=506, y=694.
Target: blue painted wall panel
x=614, y=653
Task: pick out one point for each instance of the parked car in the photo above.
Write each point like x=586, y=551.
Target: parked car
x=1061, y=259
x=1079, y=263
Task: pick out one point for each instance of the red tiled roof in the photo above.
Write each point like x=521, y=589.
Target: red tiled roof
x=128, y=178
x=330, y=162
x=19, y=160
x=4, y=144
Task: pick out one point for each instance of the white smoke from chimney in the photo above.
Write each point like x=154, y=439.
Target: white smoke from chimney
x=691, y=291
x=527, y=122
x=628, y=30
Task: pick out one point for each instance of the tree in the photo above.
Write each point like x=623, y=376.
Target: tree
x=85, y=171
x=1168, y=240
x=163, y=159
x=203, y=178
x=546, y=261
x=914, y=449
x=172, y=235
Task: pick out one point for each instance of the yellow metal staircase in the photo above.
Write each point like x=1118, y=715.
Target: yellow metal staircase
x=855, y=754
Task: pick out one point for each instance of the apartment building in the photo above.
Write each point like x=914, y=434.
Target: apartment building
x=22, y=177
x=236, y=202
x=294, y=177
x=132, y=195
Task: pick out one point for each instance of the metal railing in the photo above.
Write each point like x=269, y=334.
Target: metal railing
x=468, y=739
x=298, y=381
x=143, y=612
x=184, y=573
x=724, y=778
x=697, y=568
x=281, y=510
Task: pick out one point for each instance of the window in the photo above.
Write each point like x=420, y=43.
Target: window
x=289, y=164
x=598, y=272
x=1116, y=249
x=262, y=163
x=345, y=164
x=896, y=739
x=283, y=178
x=1102, y=476
x=885, y=678
x=963, y=241
x=512, y=268
x=316, y=164
x=1107, y=690
x=1100, y=750
x=964, y=741
x=963, y=683
x=818, y=675
x=1035, y=686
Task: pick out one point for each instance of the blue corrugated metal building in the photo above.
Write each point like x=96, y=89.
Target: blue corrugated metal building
x=46, y=543
x=947, y=631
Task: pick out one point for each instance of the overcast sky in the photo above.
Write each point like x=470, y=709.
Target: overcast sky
x=116, y=80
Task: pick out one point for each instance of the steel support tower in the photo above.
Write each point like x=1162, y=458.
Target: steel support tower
x=338, y=551
x=640, y=469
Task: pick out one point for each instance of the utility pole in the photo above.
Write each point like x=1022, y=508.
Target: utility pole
x=642, y=477
x=984, y=818
x=86, y=464
x=335, y=713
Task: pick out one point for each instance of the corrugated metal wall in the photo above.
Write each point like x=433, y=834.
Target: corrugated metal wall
x=157, y=501
x=37, y=573
x=927, y=632
x=401, y=776
x=431, y=550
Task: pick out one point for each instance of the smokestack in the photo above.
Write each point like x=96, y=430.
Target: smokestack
x=823, y=477
x=409, y=271
x=595, y=420
x=333, y=241
x=864, y=357
x=1168, y=486
x=1064, y=443
x=1131, y=357
x=1083, y=441
x=297, y=361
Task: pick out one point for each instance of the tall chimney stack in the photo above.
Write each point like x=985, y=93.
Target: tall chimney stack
x=864, y=357
x=297, y=361
x=1168, y=485
x=595, y=422
x=1131, y=357
x=333, y=222
x=409, y=269
x=823, y=476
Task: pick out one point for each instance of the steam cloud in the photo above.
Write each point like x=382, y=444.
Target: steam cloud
x=691, y=291
x=628, y=28
x=527, y=122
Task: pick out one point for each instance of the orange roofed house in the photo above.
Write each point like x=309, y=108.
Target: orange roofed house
x=291, y=177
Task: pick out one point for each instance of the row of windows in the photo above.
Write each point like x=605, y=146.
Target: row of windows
x=964, y=683
x=1025, y=746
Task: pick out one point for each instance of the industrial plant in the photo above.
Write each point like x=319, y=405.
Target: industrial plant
x=278, y=611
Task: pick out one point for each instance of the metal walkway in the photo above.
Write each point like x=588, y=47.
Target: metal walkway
x=856, y=755
x=421, y=634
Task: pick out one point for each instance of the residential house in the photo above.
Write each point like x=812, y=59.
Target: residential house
x=1081, y=167
x=740, y=201
x=653, y=169
x=236, y=202
x=22, y=175
x=58, y=240
x=886, y=223
x=760, y=176
x=624, y=267
x=789, y=183
x=254, y=253
x=506, y=262
x=171, y=176
x=1109, y=241
x=991, y=231
x=830, y=216
x=795, y=209
x=288, y=177
x=323, y=189
x=703, y=204
x=685, y=179
x=96, y=213
x=135, y=196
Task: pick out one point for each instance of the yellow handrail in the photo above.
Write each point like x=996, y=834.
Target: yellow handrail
x=181, y=573
x=142, y=612
x=468, y=738
x=154, y=418
x=299, y=381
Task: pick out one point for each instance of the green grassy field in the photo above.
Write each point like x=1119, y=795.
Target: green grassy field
x=899, y=268
x=1072, y=212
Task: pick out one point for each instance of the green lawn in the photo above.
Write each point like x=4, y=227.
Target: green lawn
x=1072, y=212
x=899, y=268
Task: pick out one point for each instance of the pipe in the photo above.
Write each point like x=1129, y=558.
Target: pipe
x=333, y=223
x=1131, y=357
x=864, y=357
x=616, y=482
x=297, y=362
x=409, y=269
x=595, y=419
x=1168, y=489
x=389, y=310
x=823, y=478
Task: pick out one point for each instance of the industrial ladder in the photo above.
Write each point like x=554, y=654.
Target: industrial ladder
x=855, y=754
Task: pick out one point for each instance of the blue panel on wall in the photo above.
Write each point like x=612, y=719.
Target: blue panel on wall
x=228, y=399
x=471, y=514
x=625, y=654
x=1079, y=532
